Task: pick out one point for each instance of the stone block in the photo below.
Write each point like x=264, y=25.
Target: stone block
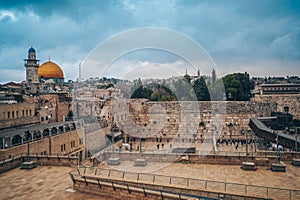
x=296, y=162
x=140, y=162
x=114, y=161
x=249, y=166
x=278, y=167
x=28, y=165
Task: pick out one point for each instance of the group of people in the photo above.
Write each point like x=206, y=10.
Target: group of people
x=235, y=142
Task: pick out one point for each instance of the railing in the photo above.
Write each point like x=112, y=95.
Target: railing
x=191, y=183
x=143, y=188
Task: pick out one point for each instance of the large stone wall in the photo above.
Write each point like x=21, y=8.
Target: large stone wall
x=282, y=100
x=168, y=119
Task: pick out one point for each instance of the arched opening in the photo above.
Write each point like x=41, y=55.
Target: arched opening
x=37, y=135
x=46, y=132
x=53, y=131
x=16, y=140
x=27, y=137
x=201, y=124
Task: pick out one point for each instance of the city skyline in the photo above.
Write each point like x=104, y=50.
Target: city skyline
x=261, y=38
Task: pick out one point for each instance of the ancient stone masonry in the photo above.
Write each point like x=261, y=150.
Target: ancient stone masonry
x=282, y=100
x=168, y=120
x=17, y=114
x=46, y=139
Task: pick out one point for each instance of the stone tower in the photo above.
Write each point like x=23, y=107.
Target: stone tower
x=31, y=65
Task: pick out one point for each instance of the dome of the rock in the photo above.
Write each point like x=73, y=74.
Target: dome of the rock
x=50, y=70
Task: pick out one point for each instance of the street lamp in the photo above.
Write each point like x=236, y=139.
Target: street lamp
x=139, y=132
x=112, y=139
x=277, y=152
x=246, y=134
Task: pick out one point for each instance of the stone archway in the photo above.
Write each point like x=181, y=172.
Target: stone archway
x=16, y=140
x=27, y=136
x=46, y=132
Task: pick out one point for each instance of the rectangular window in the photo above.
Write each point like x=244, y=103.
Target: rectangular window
x=63, y=147
x=13, y=114
x=72, y=144
x=26, y=112
x=80, y=141
x=17, y=113
x=8, y=114
x=22, y=113
x=30, y=112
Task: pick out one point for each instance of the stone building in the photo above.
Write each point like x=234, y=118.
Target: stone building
x=279, y=88
x=13, y=115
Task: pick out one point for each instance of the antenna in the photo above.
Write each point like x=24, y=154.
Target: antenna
x=79, y=73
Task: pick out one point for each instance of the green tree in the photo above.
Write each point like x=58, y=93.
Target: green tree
x=183, y=90
x=187, y=78
x=238, y=86
x=142, y=92
x=201, y=89
x=213, y=76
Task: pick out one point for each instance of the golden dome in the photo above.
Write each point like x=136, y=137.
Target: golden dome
x=50, y=70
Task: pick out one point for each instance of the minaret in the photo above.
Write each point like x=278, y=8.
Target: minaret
x=31, y=65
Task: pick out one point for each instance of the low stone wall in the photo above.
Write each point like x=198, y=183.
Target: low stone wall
x=55, y=160
x=12, y=163
x=259, y=159
x=118, y=193
x=123, y=189
x=15, y=162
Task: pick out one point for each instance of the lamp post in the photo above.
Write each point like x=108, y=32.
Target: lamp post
x=139, y=131
x=277, y=152
x=113, y=139
x=28, y=146
x=296, y=142
x=246, y=134
x=28, y=151
x=296, y=149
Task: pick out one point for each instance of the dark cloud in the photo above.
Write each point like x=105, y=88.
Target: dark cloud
x=235, y=33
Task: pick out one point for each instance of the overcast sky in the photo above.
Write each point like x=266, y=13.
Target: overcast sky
x=260, y=37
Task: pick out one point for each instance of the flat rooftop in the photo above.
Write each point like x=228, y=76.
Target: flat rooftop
x=53, y=182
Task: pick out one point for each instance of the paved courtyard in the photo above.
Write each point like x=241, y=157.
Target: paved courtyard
x=45, y=182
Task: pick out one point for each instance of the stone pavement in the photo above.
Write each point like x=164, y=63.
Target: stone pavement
x=45, y=182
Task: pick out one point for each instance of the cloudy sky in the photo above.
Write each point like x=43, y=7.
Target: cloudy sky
x=260, y=37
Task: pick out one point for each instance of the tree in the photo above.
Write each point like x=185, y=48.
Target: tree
x=187, y=78
x=183, y=90
x=201, y=89
x=213, y=76
x=238, y=86
x=142, y=92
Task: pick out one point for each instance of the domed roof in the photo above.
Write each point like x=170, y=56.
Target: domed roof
x=31, y=50
x=50, y=69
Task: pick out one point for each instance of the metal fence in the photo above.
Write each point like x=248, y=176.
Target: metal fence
x=242, y=189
